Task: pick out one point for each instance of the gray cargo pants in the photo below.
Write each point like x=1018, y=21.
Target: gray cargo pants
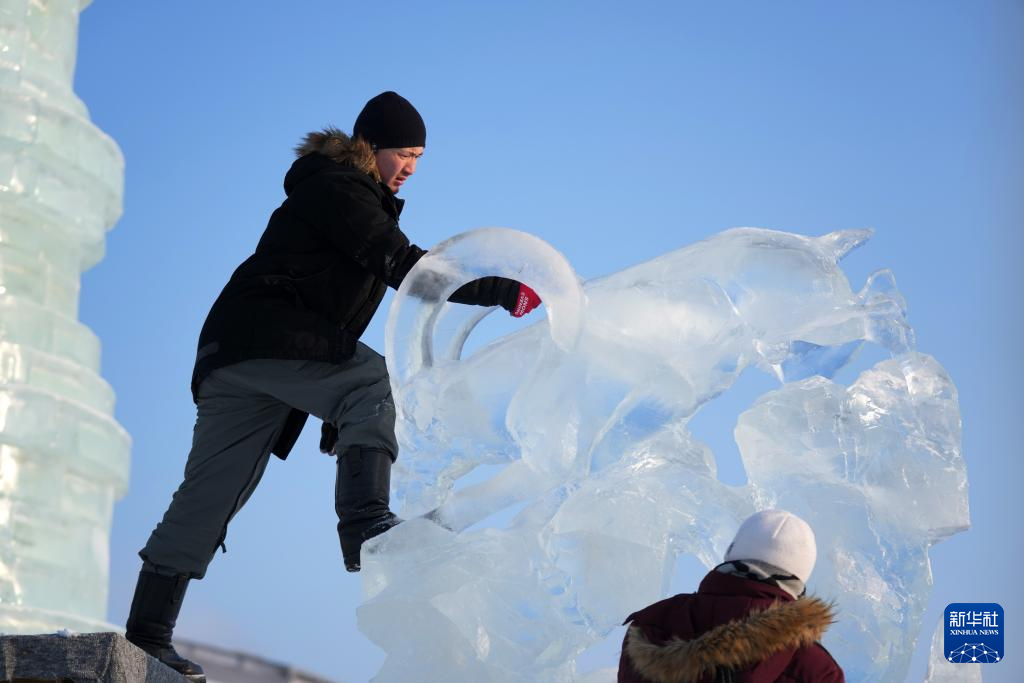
x=241, y=411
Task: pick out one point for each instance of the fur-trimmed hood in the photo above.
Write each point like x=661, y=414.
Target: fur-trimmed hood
x=736, y=645
x=339, y=147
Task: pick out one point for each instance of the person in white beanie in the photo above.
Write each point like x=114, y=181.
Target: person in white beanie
x=750, y=620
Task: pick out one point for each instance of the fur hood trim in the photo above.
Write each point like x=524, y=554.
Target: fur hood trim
x=339, y=147
x=735, y=645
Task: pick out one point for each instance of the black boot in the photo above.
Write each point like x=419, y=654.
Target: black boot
x=361, y=497
x=152, y=617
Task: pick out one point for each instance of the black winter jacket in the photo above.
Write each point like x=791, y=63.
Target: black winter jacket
x=320, y=269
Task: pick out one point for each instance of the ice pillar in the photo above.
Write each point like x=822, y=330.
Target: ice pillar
x=63, y=458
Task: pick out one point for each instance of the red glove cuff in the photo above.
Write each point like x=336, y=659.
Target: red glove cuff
x=527, y=301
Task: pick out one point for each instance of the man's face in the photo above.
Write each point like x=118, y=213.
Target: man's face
x=396, y=164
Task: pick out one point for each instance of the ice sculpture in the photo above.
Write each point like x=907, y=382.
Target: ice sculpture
x=63, y=458
x=583, y=422
x=941, y=670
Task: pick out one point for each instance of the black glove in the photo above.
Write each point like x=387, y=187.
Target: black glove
x=488, y=291
x=328, y=438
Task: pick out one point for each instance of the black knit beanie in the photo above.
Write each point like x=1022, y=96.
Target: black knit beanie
x=388, y=120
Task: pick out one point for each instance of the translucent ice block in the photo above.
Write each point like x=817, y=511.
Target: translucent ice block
x=63, y=458
x=588, y=483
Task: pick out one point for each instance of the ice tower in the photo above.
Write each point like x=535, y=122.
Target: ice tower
x=63, y=458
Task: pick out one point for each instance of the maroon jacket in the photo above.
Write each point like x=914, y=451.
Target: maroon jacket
x=751, y=631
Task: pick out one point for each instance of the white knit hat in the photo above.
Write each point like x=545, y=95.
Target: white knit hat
x=779, y=538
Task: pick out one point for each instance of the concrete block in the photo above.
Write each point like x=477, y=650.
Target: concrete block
x=79, y=658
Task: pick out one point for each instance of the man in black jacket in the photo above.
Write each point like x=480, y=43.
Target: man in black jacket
x=281, y=342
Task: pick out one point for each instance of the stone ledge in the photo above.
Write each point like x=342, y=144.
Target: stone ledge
x=79, y=658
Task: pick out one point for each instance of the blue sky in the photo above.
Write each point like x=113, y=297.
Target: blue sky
x=614, y=131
